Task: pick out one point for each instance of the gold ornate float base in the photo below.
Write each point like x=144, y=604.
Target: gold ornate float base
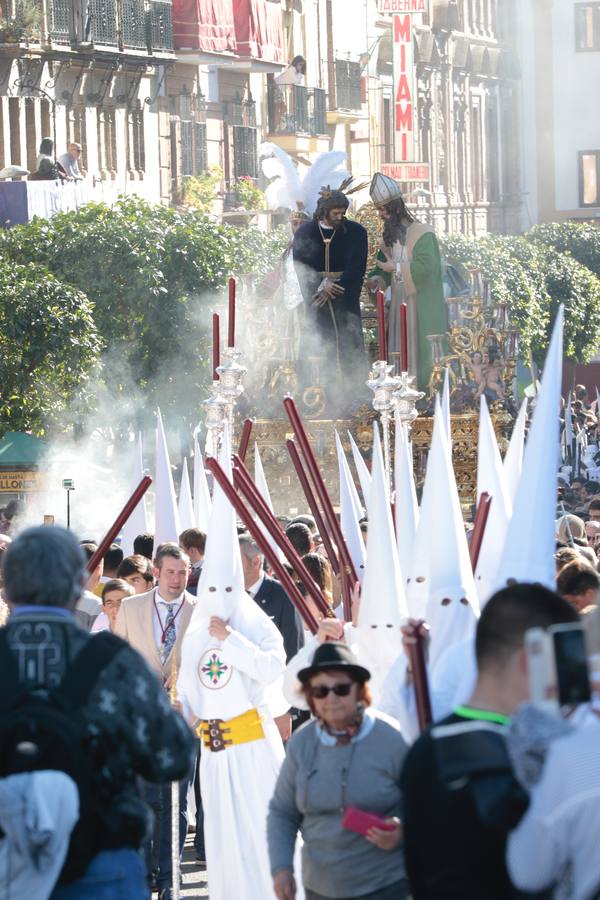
x=285, y=489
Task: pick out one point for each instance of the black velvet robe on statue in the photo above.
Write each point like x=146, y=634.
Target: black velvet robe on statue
x=333, y=333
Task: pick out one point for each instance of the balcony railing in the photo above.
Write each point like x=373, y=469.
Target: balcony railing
x=348, y=84
x=295, y=109
x=145, y=25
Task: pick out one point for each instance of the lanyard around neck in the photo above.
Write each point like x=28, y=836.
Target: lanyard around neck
x=481, y=715
x=165, y=628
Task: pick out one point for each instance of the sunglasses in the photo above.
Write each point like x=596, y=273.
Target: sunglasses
x=320, y=691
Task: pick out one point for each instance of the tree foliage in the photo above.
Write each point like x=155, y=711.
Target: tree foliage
x=154, y=275
x=48, y=347
x=534, y=273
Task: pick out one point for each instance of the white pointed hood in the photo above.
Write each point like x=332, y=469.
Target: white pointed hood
x=513, y=461
x=202, y=501
x=382, y=604
x=260, y=480
x=405, y=506
x=166, y=515
x=186, y=506
x=490, y=478
x=569, y=434
x=221, y=581
x=528, y=553
x=446, y=408
x=350, y=513
x=137, y=523
x=442, y=588
x=364, y=476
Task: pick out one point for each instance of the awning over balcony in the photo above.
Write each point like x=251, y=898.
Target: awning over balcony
x=259, y=29
x=204, y=25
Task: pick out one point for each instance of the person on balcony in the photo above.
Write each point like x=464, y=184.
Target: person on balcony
x=295, y=73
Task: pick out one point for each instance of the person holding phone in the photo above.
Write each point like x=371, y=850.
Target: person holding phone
x=339, y=786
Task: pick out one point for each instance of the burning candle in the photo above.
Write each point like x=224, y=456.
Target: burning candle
x=381, y=325
x=403, y=339
x=216, y=347
x=231, y=329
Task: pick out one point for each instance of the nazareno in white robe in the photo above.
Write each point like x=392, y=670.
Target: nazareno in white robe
x=221, y=680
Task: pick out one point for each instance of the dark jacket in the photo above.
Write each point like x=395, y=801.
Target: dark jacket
x=128, y=707
x=274, y=601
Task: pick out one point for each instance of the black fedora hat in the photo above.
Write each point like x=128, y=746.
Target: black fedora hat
x=334, y=655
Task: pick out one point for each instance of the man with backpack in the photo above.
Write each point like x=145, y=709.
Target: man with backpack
x=88, y=706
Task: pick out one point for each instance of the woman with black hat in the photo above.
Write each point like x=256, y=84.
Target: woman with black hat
x=339, y=787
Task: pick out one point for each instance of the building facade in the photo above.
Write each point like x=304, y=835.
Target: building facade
x=559, y=49
x=90, y=73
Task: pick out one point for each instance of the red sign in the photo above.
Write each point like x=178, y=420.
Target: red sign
x=403, y=171
x=403, y=87
x=402, y=6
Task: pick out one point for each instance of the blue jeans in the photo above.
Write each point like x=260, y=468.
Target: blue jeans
x=158, y=848
x=111, y=875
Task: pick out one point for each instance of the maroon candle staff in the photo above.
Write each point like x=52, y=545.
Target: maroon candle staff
x=253, y=528
x=245, y=438
x=216, y=348
x=479, y=524
x=231, y=321
x=418, y=667
x=381, y=325
x=403, y=339
x=313, y=505
x=348, y=572
x=119, y=522
x=243, y=481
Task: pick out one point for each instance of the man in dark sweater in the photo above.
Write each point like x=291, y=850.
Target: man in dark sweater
x=460, y=795
x=127, y=713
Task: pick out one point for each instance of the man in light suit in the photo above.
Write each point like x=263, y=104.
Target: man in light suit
x=154, y=624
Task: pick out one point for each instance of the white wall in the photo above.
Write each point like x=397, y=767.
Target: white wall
x=576, y=110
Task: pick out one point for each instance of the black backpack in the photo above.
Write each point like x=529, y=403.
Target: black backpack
x=44, y=728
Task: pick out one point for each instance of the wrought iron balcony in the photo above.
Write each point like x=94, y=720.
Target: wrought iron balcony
x=133, y=24
x=102, y=17
x=60, y=21
x=295, y=109
x=144, y=25
x=348, y=84
x=160, y=25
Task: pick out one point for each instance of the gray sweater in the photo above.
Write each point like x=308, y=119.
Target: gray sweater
x=315, y=784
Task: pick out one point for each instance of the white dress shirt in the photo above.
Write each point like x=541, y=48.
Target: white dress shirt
x=255, y=588
x=160, y=616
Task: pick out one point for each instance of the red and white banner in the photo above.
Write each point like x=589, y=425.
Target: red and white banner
x=404, y=87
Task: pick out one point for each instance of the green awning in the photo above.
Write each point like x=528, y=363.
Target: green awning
x=20, y=450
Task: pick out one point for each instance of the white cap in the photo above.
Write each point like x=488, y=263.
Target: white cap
x=137, y=523
x=350, y=513
x=221, y=581
x=491, y=479
x=382, y=604
x=13, y=172
x=202, y=501
x=186, y=506
x=166, y=515
x=442, y=588
x=528, y=553
x=405, y=506
x=383, y=189
x=364, y=476
x=513, y=461
x=263, y=488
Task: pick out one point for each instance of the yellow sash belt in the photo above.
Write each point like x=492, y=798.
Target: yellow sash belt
x=218, y=734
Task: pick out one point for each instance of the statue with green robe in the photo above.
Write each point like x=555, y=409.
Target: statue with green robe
x=409, y=265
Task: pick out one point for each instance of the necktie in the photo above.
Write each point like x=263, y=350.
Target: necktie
x=170, y=634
